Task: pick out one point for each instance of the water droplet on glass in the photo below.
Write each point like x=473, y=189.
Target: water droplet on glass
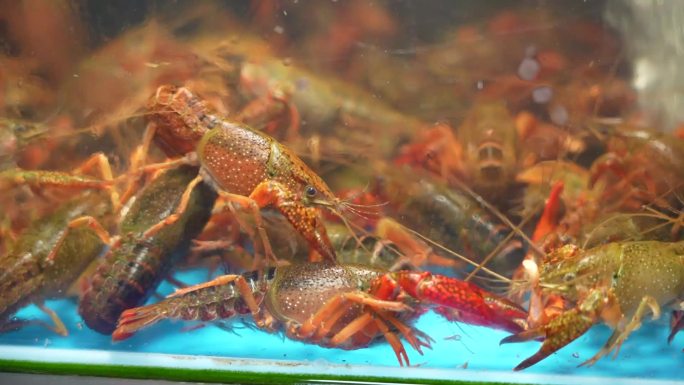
x=479, y=84
x=287, y=61
x=576, y=355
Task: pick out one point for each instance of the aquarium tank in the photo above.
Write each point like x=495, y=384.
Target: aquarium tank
x=359, y=191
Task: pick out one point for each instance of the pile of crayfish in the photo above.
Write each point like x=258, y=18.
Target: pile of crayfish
x=338, y=209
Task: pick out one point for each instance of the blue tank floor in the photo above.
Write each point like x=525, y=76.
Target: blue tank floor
x=457, y=347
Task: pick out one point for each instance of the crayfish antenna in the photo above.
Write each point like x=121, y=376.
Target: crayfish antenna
x=350, y=226
x=516, y=229
x=458, y=256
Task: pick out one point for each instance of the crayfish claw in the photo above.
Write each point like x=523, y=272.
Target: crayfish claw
x=540, y=355
x=462, y=301
x=557, y=333
x=524, y=336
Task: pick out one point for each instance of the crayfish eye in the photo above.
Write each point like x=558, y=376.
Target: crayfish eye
x=311, y=191
x=569, y=277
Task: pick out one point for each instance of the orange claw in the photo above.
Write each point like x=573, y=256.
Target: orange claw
x=455, y=299
x=304, y=219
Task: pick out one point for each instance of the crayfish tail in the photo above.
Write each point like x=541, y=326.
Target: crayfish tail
x=135, y=319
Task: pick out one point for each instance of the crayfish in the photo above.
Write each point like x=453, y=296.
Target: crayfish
x=334, y=305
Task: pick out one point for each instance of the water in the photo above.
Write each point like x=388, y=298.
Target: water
x=645, y=355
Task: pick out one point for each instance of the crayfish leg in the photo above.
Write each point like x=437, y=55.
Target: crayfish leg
x=100, y=163
x=329, y=313
x=57, y=324
x=355, y=326
x=365, y=321
x=377, y=304
x=180, y=209
x=137, y=160
x=394, y=341
x=19, y=323
x=65, y=180
x=416, y=338
x=218, y=281
x=37, y=179
x=254, y=206
x=620, y=334
x=329, y=322
x=326, y=312
x=84, y=221
x=409, y=244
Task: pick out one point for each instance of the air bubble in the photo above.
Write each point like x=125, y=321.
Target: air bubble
x=542, y=95
x=528, y=69
x=559, y=115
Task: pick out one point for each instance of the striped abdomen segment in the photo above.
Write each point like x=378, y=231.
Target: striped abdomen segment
x=125, y=279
